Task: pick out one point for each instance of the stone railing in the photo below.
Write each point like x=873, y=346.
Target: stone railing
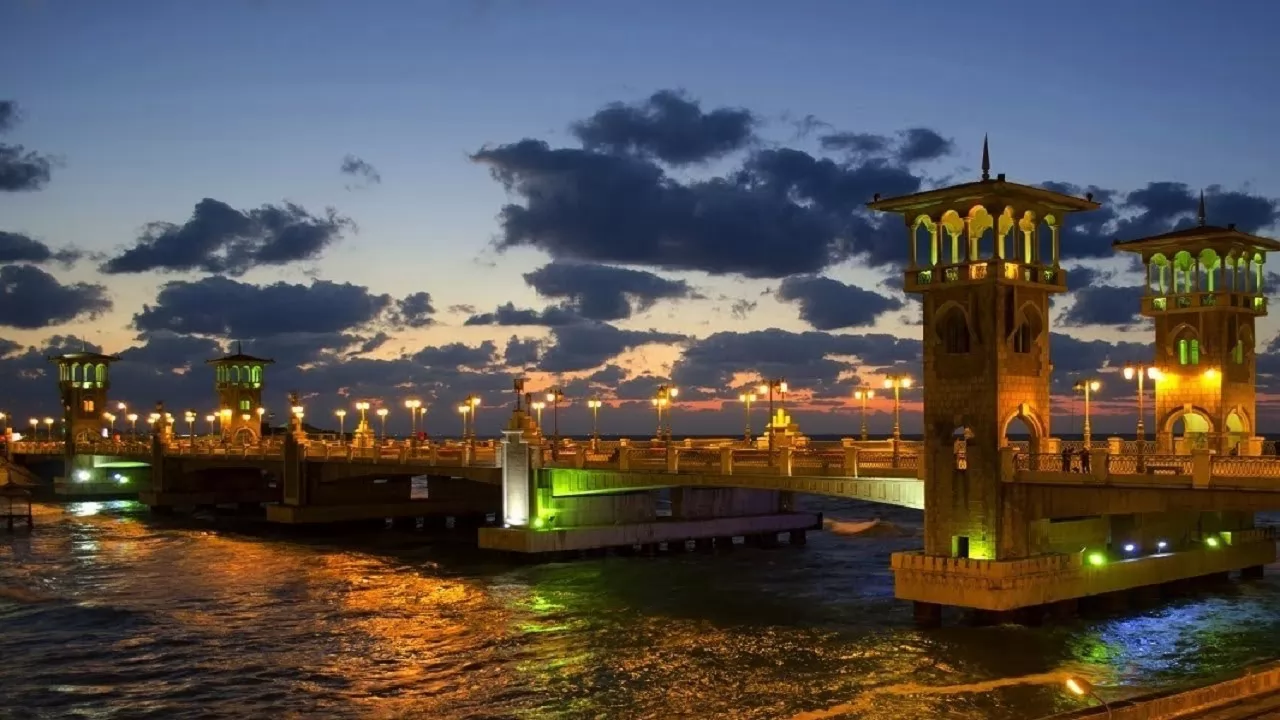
x=991, y=569
x=819, y=461
x=1206, y=469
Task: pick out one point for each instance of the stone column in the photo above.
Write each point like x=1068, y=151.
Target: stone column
x=519, y=492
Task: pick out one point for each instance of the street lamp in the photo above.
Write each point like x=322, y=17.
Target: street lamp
x=412, y=406
x=35, y=429
x=768, y=387
x=382, y=414
x=190, y=417
x=111, y=420
x=133, y=425
x=48, y=424
x=537, y=413
x=1088, y=386
x=473, y=401
x=342, y=419
x=554, y=396
x=1141, y=371
x=746, y=399
x=224, y=420
x=363, y=407
x=898, y=383
x=863, y=394
x=1081, y=687
x=667, y=395
x=594, y=404
x=464, y=409
x=210, y=418
x=658, y=404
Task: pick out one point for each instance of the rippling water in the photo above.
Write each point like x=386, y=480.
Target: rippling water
x=107, y=612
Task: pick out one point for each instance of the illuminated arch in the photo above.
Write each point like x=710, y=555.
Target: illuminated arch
x=1030, y=419
x=952, y=328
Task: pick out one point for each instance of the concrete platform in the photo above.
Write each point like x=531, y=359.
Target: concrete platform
x=525, y=540
x=1010, y=585
x=318, y=514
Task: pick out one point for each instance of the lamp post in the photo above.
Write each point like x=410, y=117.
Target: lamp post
x=261, y=411
x=382, y=415
x=363, y=407
x=898, y=383
x=658, y=404
x=473, y=401
x=537, y=413
x=1081, y=687
x=862, y=395
x=48, y=424
x=35, y=429
x=412, y=406
x=464, y=409
x=1088, y=386
x=225, y=420
x=1141, y=371
x=342, y=422
x=667, y=394
x=110, y=418
x=746, y=399
x=210, y=418
x=554, y=396
x=768, y=387
x=190, y=417
x=133, y=425
x=595, y=404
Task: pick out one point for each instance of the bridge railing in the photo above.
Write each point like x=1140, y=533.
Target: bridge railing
x=1201, y=468
x=830, y=460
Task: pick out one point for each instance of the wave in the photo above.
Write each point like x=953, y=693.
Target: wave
x=868, y=528
x=867, y=700
x=24, y=596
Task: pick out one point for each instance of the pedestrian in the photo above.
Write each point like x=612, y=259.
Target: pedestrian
x=1066, y=459
x=1084, y=461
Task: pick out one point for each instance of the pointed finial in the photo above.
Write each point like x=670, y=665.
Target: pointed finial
x=238, y=351
x=986, y=159
x=1200, y=214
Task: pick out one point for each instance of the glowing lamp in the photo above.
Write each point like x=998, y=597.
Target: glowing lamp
x=1130, y=547
x=82, y=475
x=1097, y=559
x=1162, y=545
x=1211, y=542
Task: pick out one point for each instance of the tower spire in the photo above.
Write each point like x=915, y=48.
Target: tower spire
x=1200, y=212
x=238, y=351
x=986, y=159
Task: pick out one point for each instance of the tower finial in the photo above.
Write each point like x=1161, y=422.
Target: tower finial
x=986, y=159
x=238, y=351
x=1200, y=213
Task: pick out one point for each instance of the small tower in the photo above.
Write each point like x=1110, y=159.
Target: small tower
x=83, y=381
x=984, y=258
x=239, y=379
x=1204, y=292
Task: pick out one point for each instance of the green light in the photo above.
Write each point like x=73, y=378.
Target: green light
x=1097, y=559
x=539, y=523
x=1211, y=542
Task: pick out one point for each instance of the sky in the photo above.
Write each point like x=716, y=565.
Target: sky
x=426, y=199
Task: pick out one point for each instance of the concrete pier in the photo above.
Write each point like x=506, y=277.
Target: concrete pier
x=528, y=540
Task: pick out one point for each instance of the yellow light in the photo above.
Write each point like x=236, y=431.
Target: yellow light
x=1128, y=372
x=132, y=417
x=1097, y=559
x=226, y=413
x=676, y=391
x=1093, y=386
x=1211, y=374
x=1155, y=373
x=539, y=405
x=1211, y=542
x=382, y=412
x=210, y=418
x=475, y=401
x=763, y=389
x=1078, y=686
x=245, y=417
x=261, y=411
x=340, y=413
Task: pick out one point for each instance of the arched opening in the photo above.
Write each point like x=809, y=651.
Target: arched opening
x=257, y=374
x=235, y=373
x=952, y=329
x=1022, y=430
x=1191, y=431
x=244, y=436
x=1183, y=272
x=1186, y=346
x=950, y=234
x=1237, y=431
x=924, y=242
x=101, y=373
x=75, y=372
x=981, y=234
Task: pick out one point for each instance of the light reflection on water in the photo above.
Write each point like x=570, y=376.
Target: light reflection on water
x=113, y=611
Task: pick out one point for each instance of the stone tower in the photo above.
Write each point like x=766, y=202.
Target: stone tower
x=239, y=379
x=1204, y=292
x=984, y=257
x=83, y=381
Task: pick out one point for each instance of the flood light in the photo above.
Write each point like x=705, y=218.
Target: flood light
x=1097, y=559
x=1130, y=548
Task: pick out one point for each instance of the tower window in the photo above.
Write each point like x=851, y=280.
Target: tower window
x=1188, y=352
x=1237, y=353
x=245, y=404
x=953, y=330
x=1022, y=338
x=87, y=406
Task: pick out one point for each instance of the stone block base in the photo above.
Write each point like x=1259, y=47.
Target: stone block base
x=528, y=540
x=1008, y=585
x=317, y=514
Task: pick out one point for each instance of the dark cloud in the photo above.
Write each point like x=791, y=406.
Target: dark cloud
x=457, y=355
x=741, y=308
x=522, y=352
x=668, y=126
x=19, y=248
x=828, y=304
x=221, y=239
x=1157, y=208
x=1103, y=305
x=362, y=171
x=20, y=169
x=602, y=292
x=509, y=315
x=912, y=145
x=31, y=298
x=227, y=308
x=415, y=310
x=588, y=345
x=372, y=343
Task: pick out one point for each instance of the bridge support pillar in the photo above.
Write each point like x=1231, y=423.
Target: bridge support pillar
x=519, y=486
x=927, y=615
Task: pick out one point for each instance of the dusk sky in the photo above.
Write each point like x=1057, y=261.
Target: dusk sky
x=424, y=199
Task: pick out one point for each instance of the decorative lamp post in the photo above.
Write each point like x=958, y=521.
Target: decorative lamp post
x=48, y=424
x=1141, y=372
x=1088, y=386
x=133, y=424
x=658, y=404
x=190, y=417
x=746, y=399
x=767, y=388
x=342, y=421
x=210, y=418
x=261, y=411
x=111, y=420
x=412, y=406
x=473, y=401
x=537, y=413
x=554, y=396
x=862, y=395
x=667, y=396
x=465, y=410
x=897, y=383
x=594, y=404
x=35, y=429
x=382, y=414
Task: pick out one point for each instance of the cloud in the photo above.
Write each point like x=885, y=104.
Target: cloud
x=364, y=173
x=522, y=352
x=222, y=307
x=669, y=127
x=31, y=298
x=457, y=355
x=415, y=310
x=19, y=248
x=913, y=145
x=588, y=345
x=220, y=239
x=741, y=308
x=828, y=304
x=509, y=315
x=602, y=292
x=1157, y=208
x=1103, y=305
x=20, y=169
